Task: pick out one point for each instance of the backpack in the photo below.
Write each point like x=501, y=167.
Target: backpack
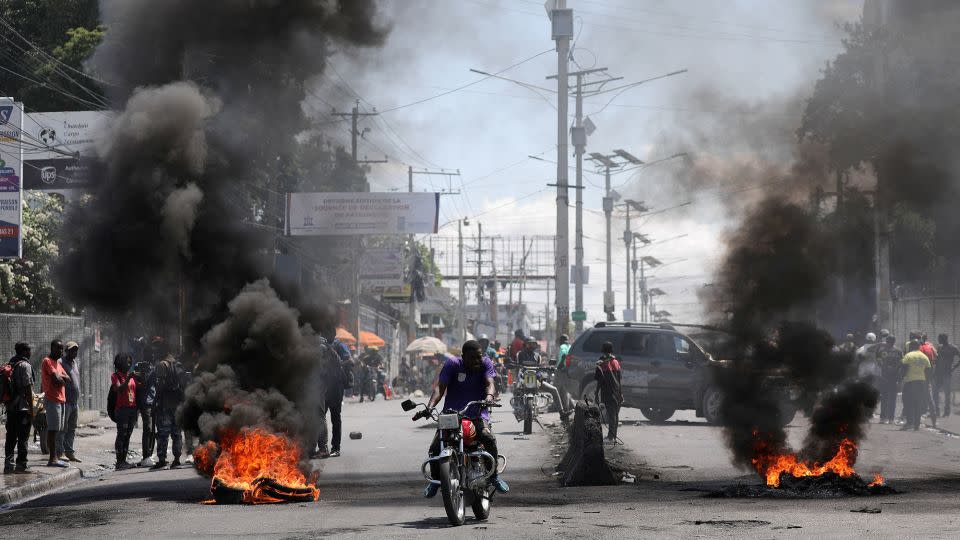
x=170, y=379
x=8, y=391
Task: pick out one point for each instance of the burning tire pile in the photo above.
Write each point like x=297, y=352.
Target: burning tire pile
x=252, y=466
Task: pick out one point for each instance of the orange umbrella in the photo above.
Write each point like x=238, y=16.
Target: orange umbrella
x=345, y=336
x=369, y=339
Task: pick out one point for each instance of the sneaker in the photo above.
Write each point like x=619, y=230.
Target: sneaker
x=431, y=490
x=335, y=453
x=72, y=457
x=176, y=463
x=123, y=465
x=189, y=459
x=57, y=463
x=498, y=483
x=22, y=470
x=145, y=462
x=162, y=464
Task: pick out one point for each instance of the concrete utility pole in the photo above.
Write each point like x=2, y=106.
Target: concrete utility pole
x=462, y=289
x=412, y=306
x=562, y=33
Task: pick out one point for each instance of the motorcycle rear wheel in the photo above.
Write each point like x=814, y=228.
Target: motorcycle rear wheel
x=481, y=504
x=452, y=495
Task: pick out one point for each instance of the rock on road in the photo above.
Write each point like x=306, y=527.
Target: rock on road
x=374, y=490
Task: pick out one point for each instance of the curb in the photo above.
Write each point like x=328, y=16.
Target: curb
x=39, y=487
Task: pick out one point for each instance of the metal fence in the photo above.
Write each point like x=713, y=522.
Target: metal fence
x=923, y=309
x=98, y=345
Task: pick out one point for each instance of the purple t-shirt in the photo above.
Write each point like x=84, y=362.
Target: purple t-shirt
x=466, y=385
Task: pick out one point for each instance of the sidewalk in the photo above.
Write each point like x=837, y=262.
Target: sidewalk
x=94, y=446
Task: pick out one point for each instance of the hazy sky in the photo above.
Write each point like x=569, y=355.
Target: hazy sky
x=749, y=62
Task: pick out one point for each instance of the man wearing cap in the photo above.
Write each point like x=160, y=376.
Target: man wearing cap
x=71, y=410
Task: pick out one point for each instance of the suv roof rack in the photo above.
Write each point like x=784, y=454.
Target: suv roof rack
x=630, y=324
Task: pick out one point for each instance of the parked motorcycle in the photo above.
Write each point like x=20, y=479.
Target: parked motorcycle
x=465, y=468
x=529, y=399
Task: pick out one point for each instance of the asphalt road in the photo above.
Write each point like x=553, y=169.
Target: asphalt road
x=373, y=490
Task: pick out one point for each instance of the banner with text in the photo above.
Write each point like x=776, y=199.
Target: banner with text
x=11, y=171
x=309, y=214
x=65, y=145
x=382, y=267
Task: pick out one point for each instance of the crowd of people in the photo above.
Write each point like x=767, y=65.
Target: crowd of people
x=921, y=373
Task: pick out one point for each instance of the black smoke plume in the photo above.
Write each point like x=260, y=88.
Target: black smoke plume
x=207, y=99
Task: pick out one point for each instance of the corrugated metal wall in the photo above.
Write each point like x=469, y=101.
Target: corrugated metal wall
x=40, y=330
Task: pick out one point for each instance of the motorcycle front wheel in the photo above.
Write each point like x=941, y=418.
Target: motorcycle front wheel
x=527, y=417
x=450, y=488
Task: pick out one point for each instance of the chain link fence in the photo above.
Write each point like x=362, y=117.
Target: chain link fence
x=99, y=342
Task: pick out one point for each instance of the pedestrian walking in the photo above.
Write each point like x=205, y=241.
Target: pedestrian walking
x=916, y=373
x=562, y=351
x=609, y=392
x=891, y=362
x=947, y=358
x=71, y=364
x=123, y=386
x=143, y=375
x=169, y=378
x=334, y=381
x=53, y=381
x=17, y=392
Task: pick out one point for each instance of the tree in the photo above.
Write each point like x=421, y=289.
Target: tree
x=25, y=284
x=43, y=50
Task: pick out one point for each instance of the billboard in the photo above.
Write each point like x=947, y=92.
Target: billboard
x=11, y=171
x=337, y=214
x=61, y=144
x=382, y=267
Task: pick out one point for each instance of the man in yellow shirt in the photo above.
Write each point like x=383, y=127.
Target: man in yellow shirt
x=916, y=373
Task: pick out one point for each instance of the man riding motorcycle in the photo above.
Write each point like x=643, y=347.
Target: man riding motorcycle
x=465, y=379
x=529, y=357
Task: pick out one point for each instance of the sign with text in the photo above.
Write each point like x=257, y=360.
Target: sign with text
x=382, y=267
x=11, y=171
x=309, y=214
x=64, y=144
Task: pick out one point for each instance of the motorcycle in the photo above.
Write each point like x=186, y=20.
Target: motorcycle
x=529, y=400
x=465, y=468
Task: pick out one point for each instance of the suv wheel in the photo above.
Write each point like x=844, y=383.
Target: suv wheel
x=712, y=400
x=657, y=415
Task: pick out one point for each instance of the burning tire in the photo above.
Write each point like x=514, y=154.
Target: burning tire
x=657, y=415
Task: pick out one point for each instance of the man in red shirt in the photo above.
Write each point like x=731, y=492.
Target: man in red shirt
x=517, y=344
x=53, y=379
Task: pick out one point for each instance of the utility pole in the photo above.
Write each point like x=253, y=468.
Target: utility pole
x=479, y=252
x=634, y=266
x=627, y=238
x=355, y=132
x=616, y=160
x=412, y=306
x=461, y=316
x=562, y=32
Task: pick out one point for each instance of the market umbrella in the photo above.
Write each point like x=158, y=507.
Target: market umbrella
x=369, y=339
x=345, y=336
x=427, y=345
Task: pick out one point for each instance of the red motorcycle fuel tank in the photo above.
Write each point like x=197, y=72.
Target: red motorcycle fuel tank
x=469, y=432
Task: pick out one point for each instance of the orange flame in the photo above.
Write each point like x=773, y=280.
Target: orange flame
x=771, y=465
x=245, y=456
x=878, y=480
